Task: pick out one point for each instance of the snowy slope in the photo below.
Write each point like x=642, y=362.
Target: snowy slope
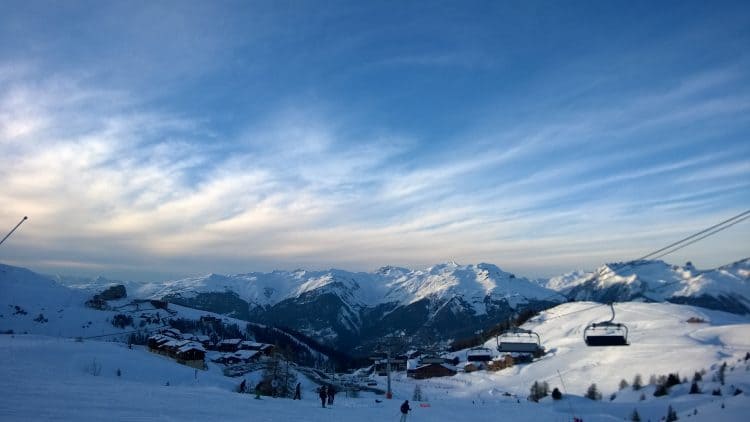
x=47, y=378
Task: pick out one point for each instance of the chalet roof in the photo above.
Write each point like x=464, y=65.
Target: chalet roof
x=245, y=354
x=176, y=343
x=161, y=339
x=444, y=365
x=231, y=341
x=190, y=346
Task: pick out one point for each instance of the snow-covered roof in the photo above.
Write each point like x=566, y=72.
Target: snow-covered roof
x=245, y=354
x=191, y=346
x=231, y=341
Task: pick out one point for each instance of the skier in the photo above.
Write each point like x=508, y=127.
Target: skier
x=405, y=410
x=323, y=395
x=297, y=393
x=242, y=386
x=331, y=394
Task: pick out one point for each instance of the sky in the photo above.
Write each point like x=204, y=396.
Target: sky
x=152, y=139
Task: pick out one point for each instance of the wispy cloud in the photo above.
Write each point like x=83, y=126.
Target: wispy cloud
x=121, y=170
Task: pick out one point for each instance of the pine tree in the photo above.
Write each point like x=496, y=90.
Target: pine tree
x=722, y=371
x=694, y=389
x=672, y=380
x=671, y=414
x=637, y=382
x=593, y=393
x=536, y=391
x=623, y=384
x=697, y=377
x=635, y=417
x=661, y=390
x=556, y=394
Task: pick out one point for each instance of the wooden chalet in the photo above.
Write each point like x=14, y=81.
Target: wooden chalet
x=471, y=366
x=432, y=370
x=186, y=352
x=499, y=363
x=431, y=359
x=242, y=356
x=191, y=354
x=264, y=348
x=229, y=345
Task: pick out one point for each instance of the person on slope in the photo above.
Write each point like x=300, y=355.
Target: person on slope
x=405, y=410
x=331, y=394
x=323, y=395
x=297, y=393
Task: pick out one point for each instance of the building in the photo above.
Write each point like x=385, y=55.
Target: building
x=229, y=345
x=499, y=363
x=432, y=370
x=186, y=352
x=242, y=356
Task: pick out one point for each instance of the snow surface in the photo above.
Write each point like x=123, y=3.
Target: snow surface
x=47, y=375
x=50, y=378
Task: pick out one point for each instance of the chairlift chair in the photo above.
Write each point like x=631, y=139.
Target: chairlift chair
x=479, y=354
x=519, y=340
x=606, y=333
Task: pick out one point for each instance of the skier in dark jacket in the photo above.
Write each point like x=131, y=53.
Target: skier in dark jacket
x=242, y=386
x=297, y=393
x=405, y=410
x=331, y=394
x=323, y=395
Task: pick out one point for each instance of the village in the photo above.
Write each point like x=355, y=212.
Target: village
x=239, y=357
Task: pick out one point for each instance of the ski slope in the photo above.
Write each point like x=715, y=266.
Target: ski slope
x=50, y=378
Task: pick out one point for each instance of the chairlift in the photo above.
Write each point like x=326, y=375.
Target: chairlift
x=606, y=333
x=479, y=354
x=519, y=340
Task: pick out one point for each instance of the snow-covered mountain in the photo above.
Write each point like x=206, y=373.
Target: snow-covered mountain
x=32, y=303
x=349, y=309
x=725, y=288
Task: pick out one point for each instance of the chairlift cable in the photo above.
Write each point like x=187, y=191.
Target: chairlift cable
x=741, y=216
x=704, y=236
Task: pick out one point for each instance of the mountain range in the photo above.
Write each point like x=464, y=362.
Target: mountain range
x=358, y=311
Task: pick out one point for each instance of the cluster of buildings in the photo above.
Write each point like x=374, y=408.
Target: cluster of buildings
x=423, y=366
x=190, y=349
x=184, y=348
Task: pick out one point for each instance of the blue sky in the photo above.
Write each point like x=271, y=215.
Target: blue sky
x=151, y=140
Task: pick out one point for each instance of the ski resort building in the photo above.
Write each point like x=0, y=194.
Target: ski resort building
x=186, y=352
x=432, y=370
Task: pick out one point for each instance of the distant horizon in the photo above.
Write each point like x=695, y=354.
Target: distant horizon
x=187, y=137
x=142, y=276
